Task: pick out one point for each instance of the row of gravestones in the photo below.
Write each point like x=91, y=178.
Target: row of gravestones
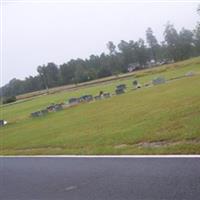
x=88, y=98
x=50, y=108
x=120, y=89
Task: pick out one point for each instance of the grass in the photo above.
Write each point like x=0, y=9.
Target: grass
x=167, y=113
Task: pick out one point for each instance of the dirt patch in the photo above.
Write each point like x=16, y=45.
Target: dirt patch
x=157, y=144
x=119, y=146
x=37, y=149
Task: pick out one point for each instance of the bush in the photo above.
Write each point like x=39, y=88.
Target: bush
x=9, y=99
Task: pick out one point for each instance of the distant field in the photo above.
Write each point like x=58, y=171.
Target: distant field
x=162, y=119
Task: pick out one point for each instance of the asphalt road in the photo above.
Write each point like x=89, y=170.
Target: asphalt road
x=99, y=178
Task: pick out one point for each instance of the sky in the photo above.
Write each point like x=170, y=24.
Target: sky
x=35, y=33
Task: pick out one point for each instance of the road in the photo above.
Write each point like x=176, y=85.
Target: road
x=99, y=178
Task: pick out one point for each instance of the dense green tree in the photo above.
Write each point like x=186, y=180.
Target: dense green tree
x=141, y=52
x=171, y=38
x=185, y=45
x=153, y=44
x=111, y=47
x=197, y=35
x=197, y=39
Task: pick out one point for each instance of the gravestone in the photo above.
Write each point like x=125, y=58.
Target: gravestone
x=89, y=98
x=106, y=95
x=138, y=86
x=36, y=114
x=119, y=91
x=44, y=111
x=58, y=107
x=121, y=86
x=189, y=74
x=73, y=101
x=135, y=82
x=51, y=107
x=86, y=98
x=147, y=84
x=158, y=80
x=2, y=122
x=97, y=97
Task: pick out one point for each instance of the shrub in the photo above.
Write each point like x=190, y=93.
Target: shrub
x=9, y=99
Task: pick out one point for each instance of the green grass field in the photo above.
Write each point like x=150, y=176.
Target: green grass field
x=162, y=119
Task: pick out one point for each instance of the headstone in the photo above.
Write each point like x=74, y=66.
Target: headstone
x=58, y=107
x=158, y=80
x=97, y=97
x=86, y=98
x=106, y=95
x=2, y=122
x=119, y=91
x=51, y=107
x=138, y=86
x=135, y=82
x=122, y=86
x=73, y=101
x=44, y=111
x=36, y=114
x=147, y=84
x=189, y=74
x=89, y=97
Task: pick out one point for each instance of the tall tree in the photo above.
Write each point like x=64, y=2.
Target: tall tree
x=141, y=52
x=126, y=50
x=171, y=38
x=197, y=39
x=111, y=47
x=185, y=44
x=197, y=35
x=42, y=73
x=152, y=42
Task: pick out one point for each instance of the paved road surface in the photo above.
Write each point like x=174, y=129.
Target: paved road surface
x=99, y=178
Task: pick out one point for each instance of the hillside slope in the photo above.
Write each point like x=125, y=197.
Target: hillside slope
x=162, y=119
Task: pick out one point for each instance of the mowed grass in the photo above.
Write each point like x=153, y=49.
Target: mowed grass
x=163, y=119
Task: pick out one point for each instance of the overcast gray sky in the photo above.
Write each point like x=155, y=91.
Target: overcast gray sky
x=37, y=33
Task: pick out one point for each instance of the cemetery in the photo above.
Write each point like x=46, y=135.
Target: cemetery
x=82, y=129
x=120, y=89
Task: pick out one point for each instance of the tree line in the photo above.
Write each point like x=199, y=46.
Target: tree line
x=177, y=45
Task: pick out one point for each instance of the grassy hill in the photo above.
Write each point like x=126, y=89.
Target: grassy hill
x=162, y=119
